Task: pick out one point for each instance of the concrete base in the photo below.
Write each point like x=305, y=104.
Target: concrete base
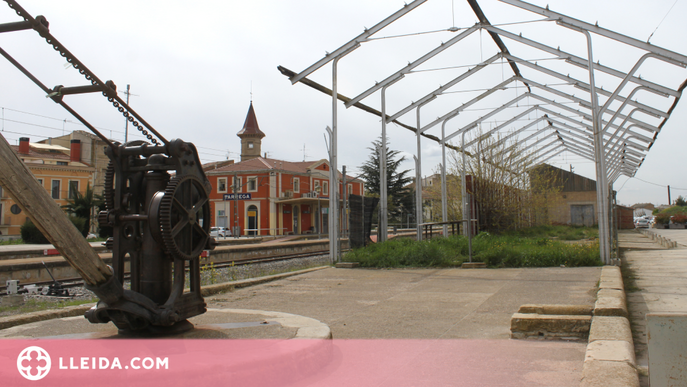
x=214, y=324
x=556, y=309
x=525, y=325
x=473, y=265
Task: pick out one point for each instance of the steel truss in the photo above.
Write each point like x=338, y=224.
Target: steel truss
x=615, y=129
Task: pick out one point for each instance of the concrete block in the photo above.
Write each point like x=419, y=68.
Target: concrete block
x=601, y=373
x=610, y=302
x=473, y=265
x=667, y=345
x=610, y=328
x=611, y=278
x=610, y=350
x=346, y=265
x=529, y=324
x=611, y=283
x=556, y=309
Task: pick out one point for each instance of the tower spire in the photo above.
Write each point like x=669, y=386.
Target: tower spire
x=251, y=136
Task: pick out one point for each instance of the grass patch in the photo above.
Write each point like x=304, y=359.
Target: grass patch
x=566, y=233
x=538, y=247
x=32, y=305
x=12, y=242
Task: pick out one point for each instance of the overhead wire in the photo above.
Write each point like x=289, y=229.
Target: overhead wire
x=3, y=119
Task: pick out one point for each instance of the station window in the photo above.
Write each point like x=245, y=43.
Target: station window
x=316, y=186
x=40, y=181
x=235, y=184
x=296, y=185
x=73, y=189
x=250, y=145
x=325, y=188
x=222, y=184
x=55, y=189
x=349, y=189
x=252, y=184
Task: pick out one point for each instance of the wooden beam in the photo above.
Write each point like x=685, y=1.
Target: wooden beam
x=16, y=178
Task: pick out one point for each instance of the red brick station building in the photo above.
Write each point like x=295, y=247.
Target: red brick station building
x=263, y=196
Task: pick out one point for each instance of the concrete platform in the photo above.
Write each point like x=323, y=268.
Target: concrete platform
x=365, y=305
x=214, y=324
x=657, y=284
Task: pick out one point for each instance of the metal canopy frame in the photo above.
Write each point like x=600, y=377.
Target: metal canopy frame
x=615, y=132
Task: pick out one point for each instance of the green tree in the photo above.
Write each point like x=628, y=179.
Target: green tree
x=680, y=201
x=400, y=198
x=81, y=206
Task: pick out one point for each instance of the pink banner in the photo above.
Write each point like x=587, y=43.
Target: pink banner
x=163, y=362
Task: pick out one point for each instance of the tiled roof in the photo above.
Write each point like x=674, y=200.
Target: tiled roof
x=265, y=164
x=261, y=164
x=43, y=154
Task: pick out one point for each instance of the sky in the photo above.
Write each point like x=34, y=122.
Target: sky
x=194, y=68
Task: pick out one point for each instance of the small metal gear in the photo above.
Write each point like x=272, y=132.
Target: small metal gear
x=184, y=216
x=108, y=190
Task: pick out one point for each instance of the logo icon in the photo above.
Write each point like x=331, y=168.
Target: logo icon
x=33, y=363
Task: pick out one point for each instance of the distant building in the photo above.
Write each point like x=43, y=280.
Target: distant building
x=648, y=206
x=57, y=168
x=92, y=153
x=264, y=196
x=575, y=203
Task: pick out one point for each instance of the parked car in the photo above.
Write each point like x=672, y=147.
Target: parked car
x=642, y=223
x=216, y=232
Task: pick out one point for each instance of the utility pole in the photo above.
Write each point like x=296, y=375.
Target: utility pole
x=343, y=215
x=126, y=123
x=236, y=205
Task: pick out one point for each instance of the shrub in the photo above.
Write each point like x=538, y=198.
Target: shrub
x=662, y=218
x=679, y=218
x=31, y=234
x=494, y=250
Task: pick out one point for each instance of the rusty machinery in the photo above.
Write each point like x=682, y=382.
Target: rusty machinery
x=156, y=196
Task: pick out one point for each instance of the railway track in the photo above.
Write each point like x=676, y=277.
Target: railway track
x=78, y=282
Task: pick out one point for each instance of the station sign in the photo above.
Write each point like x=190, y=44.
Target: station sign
x=241, y=196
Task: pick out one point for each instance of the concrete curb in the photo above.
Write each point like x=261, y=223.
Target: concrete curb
x=663, y=241
x=27, y=318
x=562, y=326
x=229, y=286
x=610, y=357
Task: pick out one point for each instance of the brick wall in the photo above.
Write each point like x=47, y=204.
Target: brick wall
x=559, y=211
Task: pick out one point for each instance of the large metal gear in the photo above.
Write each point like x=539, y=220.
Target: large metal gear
x=184, y=217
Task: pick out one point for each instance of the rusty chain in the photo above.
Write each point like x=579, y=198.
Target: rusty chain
x=40, y=24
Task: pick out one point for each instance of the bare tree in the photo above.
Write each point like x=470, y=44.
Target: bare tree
x=506, y=194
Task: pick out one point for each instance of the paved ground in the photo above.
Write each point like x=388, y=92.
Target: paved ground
x=658, y=282
x=416, y=303
x=472, y=305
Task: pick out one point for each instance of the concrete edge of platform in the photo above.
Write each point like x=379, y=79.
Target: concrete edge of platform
x=610, y=298
x=229, y=286
x=610, y=357
x=70, y=311
x=27, y=318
